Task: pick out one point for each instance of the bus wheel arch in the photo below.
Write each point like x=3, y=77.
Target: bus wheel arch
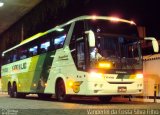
x=60, y=90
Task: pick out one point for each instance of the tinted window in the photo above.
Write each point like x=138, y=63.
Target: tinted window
x=33, y=50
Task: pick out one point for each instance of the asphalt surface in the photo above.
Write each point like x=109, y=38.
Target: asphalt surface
x=32, y=105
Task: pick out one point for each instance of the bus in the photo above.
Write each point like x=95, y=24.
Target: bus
x=63, y=61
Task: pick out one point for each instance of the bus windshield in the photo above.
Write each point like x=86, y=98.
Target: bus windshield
x=116, y=47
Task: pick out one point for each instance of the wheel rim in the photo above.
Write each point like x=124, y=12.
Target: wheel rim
x=15, y=94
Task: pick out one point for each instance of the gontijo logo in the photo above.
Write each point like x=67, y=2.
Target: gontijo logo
x=16, y=67
x=20, y=66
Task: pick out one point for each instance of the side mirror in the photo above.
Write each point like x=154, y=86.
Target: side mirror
x=154, y=43
x=141, y=32
x=91, y=38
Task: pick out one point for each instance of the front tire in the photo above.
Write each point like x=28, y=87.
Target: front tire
x=105, y=99
x=61, y=91
x=14, y=91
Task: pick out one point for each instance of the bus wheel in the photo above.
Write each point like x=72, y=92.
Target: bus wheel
x=14, y=90
x=15, y=94
x=105, y=99
x=60, y=91
x=10, y=91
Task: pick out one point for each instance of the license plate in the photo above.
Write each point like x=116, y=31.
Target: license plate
x=122, y=89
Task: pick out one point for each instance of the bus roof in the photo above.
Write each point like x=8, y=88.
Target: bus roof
x=86, y=17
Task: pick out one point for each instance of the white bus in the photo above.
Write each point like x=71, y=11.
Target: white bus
x=64, y=61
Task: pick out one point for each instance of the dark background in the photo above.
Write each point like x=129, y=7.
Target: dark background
x=142, y=12
x=50, y=13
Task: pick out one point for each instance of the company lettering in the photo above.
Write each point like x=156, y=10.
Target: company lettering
x=19, y=66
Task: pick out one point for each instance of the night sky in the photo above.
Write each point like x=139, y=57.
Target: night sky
x=143, y=12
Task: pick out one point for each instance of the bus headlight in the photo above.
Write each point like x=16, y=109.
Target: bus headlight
x=139, y=76
x=96, y=75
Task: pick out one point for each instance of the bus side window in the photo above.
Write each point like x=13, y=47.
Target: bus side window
x=51, y=46
x=23, y=54
x=33, y=51
x=72, y=47
x=59, y=41
x=14, y=55
x=44, y=46
x=77, y=45
x=8, y=58
x=80, y=56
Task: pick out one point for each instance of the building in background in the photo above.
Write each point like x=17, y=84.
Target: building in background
x=151, y=72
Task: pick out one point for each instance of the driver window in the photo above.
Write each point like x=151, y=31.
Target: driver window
x=80, y=55
x=77, y=45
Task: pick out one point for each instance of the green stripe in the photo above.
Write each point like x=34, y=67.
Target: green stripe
x=45, y=71
x=38, y=70
x=42, y=72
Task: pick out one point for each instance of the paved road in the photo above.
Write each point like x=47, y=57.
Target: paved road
x=31, y=105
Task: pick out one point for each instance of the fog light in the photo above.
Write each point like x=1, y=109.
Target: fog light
x=70, y=83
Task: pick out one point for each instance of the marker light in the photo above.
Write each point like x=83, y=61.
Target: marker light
x=34, y=85
x=132, y=22
x=94, y=17
x=139, y=76
x=60, y=29
x=115, y=19
x=104, y=65
x=96, y=75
